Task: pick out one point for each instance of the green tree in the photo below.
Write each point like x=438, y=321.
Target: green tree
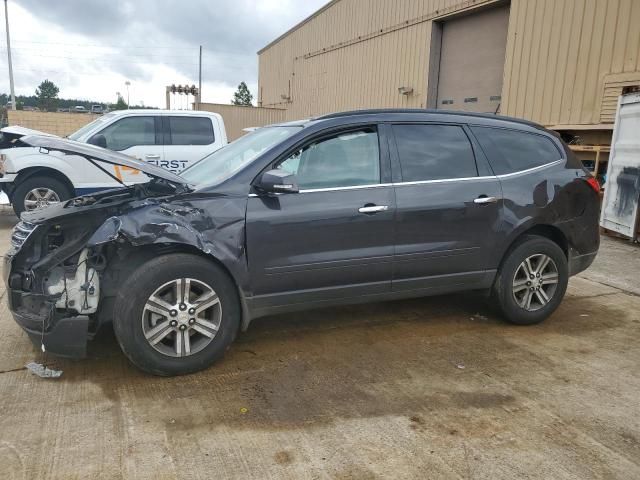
x=242, y=96
x=120, y=104
x=47, y=94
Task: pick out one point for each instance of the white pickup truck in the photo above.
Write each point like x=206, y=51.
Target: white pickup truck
x=170, y=139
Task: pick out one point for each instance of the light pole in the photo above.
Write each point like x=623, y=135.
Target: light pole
x=127, y=83
x=13, y=93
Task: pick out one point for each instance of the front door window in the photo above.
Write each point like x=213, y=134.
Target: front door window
x=344, y=160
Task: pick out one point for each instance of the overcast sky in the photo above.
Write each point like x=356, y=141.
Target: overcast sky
x=90, y=48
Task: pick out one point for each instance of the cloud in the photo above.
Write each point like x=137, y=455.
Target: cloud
x=91, y=47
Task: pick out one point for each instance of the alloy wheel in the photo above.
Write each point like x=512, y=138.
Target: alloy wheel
x=535, y=282
x=181, y=317
x=40, y=198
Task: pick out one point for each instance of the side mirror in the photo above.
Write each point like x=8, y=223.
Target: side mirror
x=98, y=140
x=278, y=181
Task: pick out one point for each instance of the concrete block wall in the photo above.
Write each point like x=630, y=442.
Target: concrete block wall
x=57, y=123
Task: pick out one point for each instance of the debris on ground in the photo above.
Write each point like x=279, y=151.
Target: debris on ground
x=460, y=366
x=42, y=371
x=477, y=316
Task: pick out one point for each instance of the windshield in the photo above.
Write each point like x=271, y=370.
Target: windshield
x=223, y=163
x=89, y=126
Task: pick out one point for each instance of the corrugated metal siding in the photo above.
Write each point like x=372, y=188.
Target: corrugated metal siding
x=236, y=118
x=356, y=53
x=559, y=53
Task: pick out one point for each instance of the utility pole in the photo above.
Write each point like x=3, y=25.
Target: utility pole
x=199, y=99
x=13, y=93
x=127, y=83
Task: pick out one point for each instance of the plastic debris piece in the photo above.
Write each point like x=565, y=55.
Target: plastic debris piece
x=460, y=366
x=42, y=371
x=584, y=314
x=244, y=410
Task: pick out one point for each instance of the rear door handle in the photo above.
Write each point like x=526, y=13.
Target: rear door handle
x=373, y=208
x=484, y=200
x=152, y=156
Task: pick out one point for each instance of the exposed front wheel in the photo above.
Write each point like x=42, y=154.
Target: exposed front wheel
x=38, y=192
x=532, y=281
x=176, y=314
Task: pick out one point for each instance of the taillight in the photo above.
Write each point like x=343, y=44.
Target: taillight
x=593, y=183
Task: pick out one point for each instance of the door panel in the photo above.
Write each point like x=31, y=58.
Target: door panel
x=320, y=240
x=333, y=239
x=440, y=230
x=138, y=136
x=448, y=217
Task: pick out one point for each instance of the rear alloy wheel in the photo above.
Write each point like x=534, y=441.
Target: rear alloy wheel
x=176, y=314
x=532, y=281
x=535, y=282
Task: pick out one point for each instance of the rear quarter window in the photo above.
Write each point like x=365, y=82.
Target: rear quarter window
x=512, y=151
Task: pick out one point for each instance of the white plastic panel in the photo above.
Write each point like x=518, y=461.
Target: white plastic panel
x=622, y=188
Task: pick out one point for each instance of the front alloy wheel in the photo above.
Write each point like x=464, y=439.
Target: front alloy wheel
x=181, y=317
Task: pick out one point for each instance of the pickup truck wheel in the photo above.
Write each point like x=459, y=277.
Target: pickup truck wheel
x=38, y=192
x=532, y=281
x=176, y=314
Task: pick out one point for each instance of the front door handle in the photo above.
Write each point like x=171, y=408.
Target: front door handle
x=152, y=156
x=484, y=200
x=373, y=208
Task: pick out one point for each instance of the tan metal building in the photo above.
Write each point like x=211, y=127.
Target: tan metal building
x=561, y=63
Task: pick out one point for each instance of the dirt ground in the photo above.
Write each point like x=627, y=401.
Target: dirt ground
x=431, y=388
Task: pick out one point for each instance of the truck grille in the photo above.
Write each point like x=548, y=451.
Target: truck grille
x=20, y=233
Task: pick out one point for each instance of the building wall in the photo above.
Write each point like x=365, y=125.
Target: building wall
x=57, y=123
x=562, y=56
x=566, y=60
x=236, y=118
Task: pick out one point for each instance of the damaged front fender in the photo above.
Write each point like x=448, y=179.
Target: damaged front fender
x=213, y=224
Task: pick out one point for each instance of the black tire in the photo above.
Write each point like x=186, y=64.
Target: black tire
x=134, y=293
x=503, y=295
x=23, y=188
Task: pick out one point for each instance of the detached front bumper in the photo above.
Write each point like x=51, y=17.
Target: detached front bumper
x=36, y=315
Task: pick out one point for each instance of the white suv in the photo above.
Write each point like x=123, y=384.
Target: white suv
x=33, y=178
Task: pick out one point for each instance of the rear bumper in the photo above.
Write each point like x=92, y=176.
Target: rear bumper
x=579, y=263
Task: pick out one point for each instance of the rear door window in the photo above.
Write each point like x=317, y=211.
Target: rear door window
x=191, y=131
x=512, y=151
x=434, y=152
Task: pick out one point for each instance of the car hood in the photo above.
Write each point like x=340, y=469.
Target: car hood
x=18, y=131
x=92, y=152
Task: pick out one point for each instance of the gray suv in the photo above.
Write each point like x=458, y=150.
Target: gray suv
x=352, y=207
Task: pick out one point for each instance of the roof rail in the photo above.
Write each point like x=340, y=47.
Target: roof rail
x=374, y=111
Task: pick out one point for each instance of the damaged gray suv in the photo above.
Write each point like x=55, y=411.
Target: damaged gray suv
x=351, y=207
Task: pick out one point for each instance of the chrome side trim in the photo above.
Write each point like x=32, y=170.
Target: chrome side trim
x=529, y=170
x=424, y=182
x=443, y=180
